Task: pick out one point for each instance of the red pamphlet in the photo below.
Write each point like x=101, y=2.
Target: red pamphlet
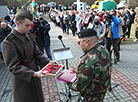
x=67, y=76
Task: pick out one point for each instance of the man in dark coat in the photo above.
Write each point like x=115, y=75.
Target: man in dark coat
x=42, y=35
x=72, y=22
x=128, y=22
x=20, y=55
x=7, y=17
x=4, y=31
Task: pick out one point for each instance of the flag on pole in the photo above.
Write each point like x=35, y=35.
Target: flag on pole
x=78, y=25
x=34, y=9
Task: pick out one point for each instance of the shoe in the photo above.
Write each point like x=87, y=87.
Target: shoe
x=117, y=60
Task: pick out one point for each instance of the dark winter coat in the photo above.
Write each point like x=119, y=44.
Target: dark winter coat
x=17, y=47
x=4, y=33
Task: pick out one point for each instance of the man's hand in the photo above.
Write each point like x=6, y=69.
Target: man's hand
x=120, y=20
x=100, y=37
x=73, y=69
x=40, y=74
x=41, y=24
x=53, y=62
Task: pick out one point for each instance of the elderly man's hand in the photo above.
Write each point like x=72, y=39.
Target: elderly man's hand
x=73, y=69
x=53, y=62
x=100, y=37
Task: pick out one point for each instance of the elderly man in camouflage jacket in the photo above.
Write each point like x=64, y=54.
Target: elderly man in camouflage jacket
x=93, y=69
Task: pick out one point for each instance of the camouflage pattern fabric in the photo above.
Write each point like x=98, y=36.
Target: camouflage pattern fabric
x=92, y=75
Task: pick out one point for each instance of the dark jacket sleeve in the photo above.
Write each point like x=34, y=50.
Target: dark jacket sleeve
x=13, y=63
x=46, y=26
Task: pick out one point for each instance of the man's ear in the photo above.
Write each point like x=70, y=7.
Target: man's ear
x=17, y=23
x=87, y=42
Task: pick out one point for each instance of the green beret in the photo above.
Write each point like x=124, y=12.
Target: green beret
x=87, y=33
x=25, y=14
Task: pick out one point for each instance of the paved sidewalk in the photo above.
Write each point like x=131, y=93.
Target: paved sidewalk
x=124, y=73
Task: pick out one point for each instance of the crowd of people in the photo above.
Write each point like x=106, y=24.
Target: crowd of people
x=111, y=26
x=103, y=22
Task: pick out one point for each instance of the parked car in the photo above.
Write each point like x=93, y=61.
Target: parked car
x=96, y=4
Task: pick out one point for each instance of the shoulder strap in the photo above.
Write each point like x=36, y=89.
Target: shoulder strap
x=10, y=37
x=93, y=26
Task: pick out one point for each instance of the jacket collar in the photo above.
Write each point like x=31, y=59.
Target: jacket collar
x=92, y=49
x=20, y=36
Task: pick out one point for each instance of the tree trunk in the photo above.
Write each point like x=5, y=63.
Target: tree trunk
x=117, y=1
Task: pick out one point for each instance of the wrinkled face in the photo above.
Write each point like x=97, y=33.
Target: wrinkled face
x=4, y=26
x=25, y=26
x=82, y=44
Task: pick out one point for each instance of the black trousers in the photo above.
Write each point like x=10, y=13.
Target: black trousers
x=113, y=42
x=129, y=29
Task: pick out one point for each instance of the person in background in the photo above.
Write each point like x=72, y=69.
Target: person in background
x=38, y=9
x=14, y=10
x=17, y=9
x=118, y=15
x=94, y=13
x=113, y=34
x=100, y=15
x=100, y=29
x=133, y=13
x=66, y=21
x=72, y=7
x=42, y=35
x=4, y=31
x=47, y=9
x=62, y=23
x=86, y=20
x=92, y=70
x=57, y=19
x=72, y=22
x=8, y=24
x=7, y=17
x=13, y=21
x=59, y=7
x=136, y=29
x=128, y=22
x=91, y=13
x=20, y=54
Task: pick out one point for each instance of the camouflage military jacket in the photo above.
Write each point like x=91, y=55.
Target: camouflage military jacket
x=92, y=75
